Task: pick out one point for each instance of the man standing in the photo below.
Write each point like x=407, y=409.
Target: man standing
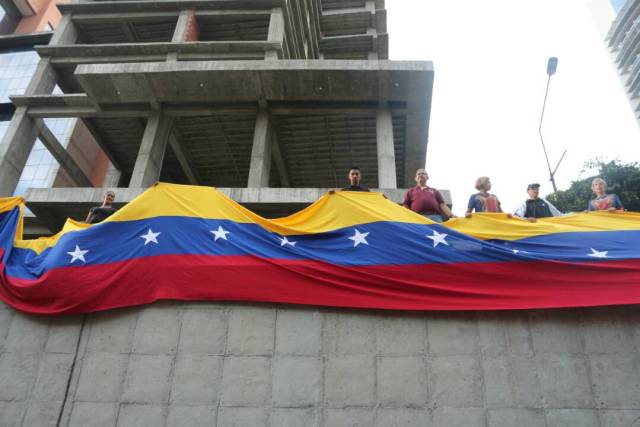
x=425, y=200
x=354, y=179
x=100, y=213
x=535, y=206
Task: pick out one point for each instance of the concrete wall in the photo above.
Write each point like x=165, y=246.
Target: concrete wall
x=207, y=364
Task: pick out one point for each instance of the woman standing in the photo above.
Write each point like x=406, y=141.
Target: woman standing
x=483, y=201
x=603, y=201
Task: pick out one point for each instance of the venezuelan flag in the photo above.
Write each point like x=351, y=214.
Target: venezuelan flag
x=347, y=249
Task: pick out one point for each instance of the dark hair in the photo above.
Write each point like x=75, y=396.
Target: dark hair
x=354, y=168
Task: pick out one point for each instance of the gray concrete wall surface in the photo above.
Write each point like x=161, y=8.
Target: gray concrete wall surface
x=224, y=364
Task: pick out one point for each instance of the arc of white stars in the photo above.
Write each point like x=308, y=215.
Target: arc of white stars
x=150, y=237
x=359, y=237
x=284, y=241
x=78, y=254
x=438, y=238
x=220, y=233
x=598, y=254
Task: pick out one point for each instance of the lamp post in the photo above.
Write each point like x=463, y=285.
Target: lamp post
x=552, y=65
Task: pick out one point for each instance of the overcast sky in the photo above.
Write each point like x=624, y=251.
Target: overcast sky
x=490, y=62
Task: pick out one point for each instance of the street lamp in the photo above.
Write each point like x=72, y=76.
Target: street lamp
x=552, y=65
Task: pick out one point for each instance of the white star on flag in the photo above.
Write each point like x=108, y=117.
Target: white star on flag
x=515, y=251
x=598, y=254
x=150, y=237
x=359, y=237
x=220, y=233
x=77, y=254
x=438, y=238
x=284, y=241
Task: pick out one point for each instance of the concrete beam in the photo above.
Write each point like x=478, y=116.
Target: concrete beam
x=107, y=18
x=60, y=197
x=80, y=105
x=140, y=52
x=260, y=166
x=177, y=145
x=166, y=5
x=333, y=80
x=74, y=105
x=152, y=148
x=385, y=146
x=67, y=163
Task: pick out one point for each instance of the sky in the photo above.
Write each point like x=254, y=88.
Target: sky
x=490, y=61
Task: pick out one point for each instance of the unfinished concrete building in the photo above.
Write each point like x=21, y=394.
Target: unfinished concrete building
x=270, y=100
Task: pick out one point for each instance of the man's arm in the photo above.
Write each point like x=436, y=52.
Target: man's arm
x=521, y=211
x=617, y=203
x=407, y=200
x=89, y=216
x=443, y=206
x=445, y=210
x=470, y=206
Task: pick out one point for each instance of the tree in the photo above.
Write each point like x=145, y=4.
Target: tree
x=622, y=179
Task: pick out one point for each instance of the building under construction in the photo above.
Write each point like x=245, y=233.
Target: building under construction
x=270, y=100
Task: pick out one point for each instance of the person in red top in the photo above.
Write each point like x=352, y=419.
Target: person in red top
x=425, y=200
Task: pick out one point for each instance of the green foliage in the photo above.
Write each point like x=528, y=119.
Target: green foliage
x=622, y=179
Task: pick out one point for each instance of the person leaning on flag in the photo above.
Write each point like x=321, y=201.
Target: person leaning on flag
x=483, y=201
x=354, y=180
x=426, y=201
x=536, y=207
x=603, y=201
x=104, y=211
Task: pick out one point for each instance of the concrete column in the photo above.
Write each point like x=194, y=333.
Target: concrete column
x=152, y=148
x=386, y=153
x=112, y=177
x=18, y=141
x=261, y=152
x=66, y=162
x=187, y=30
x=276, y=31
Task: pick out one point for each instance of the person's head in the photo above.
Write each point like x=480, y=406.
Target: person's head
x=599, y=186
x=421, y=177
x=355, y=175
x=109, y=197
x=533, y=190
x=483, y=183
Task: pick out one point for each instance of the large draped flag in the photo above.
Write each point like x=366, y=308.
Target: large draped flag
x=347, y=249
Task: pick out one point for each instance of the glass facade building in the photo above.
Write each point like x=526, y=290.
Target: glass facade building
x=18, y=65
x=623, y=41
